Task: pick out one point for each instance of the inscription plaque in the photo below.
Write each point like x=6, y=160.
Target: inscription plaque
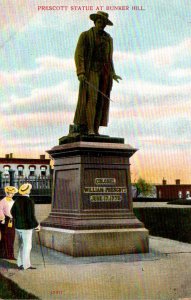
x=115, y=192
x=105, y=181
x=105, y=198
x=103, y=189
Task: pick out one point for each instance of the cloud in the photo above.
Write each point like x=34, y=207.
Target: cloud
x=155, y=140
x=51, y=99
x=16, y=78
x=180, y=73
x=133, y=98
x=38, y=141
x=146, y=88
x=15, y=14
x=154, y=132
x=45, y=64
x=159, y=57
x=55, y=63
x=152, y=110
x=35, y=120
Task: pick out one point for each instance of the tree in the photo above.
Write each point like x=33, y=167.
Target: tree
x=143, y=187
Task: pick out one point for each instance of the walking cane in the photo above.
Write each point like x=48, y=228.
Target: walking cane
x=97, y=90
x=41, y=247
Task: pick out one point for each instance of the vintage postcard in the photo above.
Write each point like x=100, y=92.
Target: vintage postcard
x=116, y=72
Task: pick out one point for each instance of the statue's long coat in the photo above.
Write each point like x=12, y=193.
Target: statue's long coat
x=83, y=60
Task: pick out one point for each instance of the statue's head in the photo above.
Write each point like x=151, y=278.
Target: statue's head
x=100, y=24
x=101, y=19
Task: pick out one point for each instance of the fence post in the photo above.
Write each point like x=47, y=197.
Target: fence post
x=11, y=174
x=1, y=179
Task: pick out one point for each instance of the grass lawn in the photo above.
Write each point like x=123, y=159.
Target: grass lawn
x=168, y=222
x=9, y=289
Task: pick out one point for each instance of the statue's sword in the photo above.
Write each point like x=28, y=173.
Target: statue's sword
x=97, y=90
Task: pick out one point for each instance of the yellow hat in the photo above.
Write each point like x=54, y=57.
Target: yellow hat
x=11, y=189
x=25, y=188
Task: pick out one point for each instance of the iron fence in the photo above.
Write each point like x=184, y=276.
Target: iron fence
x=38, y=183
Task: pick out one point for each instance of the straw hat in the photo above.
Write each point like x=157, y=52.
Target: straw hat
x=25, y=188
x=103, y=15
x=11, y=189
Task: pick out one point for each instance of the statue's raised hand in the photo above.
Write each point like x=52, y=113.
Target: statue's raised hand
x=116, y=78
x=82, y=78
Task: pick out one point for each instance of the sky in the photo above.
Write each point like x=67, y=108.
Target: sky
x=150, y=107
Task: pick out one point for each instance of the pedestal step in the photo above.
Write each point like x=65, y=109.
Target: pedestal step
x=96, y=242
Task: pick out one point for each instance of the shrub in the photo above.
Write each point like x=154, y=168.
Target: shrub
x=180, y=202
x=168, y=222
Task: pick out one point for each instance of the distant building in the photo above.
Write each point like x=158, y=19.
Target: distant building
x=173, y=191
x=24, y=167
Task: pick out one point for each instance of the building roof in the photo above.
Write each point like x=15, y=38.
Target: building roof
x=173, y=185
x=35, y=161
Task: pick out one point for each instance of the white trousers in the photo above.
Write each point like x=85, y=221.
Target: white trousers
x=25, y=246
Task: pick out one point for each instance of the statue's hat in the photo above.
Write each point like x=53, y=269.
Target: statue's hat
x=103, y=15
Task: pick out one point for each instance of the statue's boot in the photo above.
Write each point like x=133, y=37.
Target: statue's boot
x=91, y=132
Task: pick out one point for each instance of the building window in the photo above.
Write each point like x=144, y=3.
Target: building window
x=187, y=194
x=6, y=170
x=180, y=194
x=160, y=194
x=32, y=170
x=43, y=170
x=20, y=169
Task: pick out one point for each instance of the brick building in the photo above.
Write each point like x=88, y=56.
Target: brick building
x=173, y=191
x=24, y=167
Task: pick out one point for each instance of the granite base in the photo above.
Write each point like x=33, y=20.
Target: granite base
x=96, y=242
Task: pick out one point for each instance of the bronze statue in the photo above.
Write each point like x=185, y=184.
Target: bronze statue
x=95, y=71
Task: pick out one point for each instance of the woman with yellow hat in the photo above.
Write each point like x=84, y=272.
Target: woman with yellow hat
x=7, y=224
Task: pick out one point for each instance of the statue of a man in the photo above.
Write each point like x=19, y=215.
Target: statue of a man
x=95, y=71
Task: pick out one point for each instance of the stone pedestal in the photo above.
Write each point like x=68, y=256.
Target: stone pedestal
x=92, y=211
x=95, y=242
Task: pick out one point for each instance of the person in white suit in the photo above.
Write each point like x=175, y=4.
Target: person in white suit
x=25, y=221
